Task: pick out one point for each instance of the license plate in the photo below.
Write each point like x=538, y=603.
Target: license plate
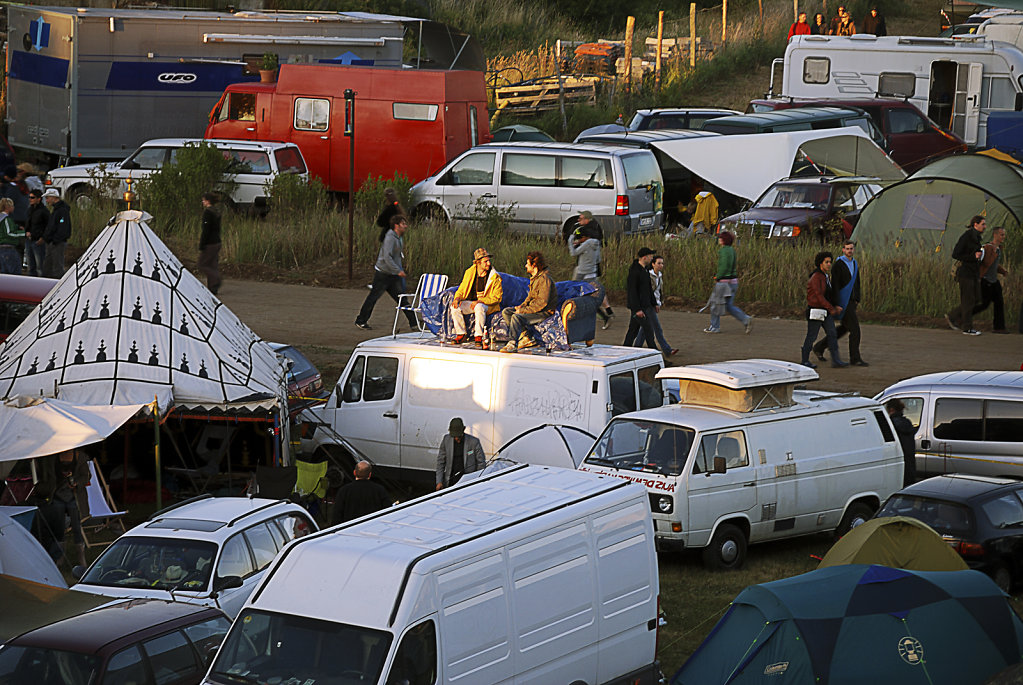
x=646, y=221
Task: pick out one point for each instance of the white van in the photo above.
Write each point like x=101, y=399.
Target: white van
x=956, y=83
x=746, y=458
x=966, y=421
x=533, y=575
x=396, y=396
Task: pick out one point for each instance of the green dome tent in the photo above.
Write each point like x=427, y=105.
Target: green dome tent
x=895, y=541
x=930, y=209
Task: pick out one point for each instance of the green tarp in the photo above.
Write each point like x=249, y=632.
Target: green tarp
x=930, y=210
x=28, y=605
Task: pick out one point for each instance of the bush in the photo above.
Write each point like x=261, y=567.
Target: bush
x=196, y=169
x=369, y=199
x=291, y=195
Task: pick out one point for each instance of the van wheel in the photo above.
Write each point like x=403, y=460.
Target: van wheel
x=82, y=197
x=1003, y=579
x=569, y=227
x=727, y=549
x=856, y=514
x=430, y=213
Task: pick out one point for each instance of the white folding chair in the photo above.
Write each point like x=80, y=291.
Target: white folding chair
x=429, y=286
x=101, y=507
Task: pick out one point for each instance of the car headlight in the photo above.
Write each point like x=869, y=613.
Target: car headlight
x=665, y=504
x=785, y=232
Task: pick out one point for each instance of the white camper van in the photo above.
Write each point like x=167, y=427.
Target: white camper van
x=533, y=575
x=394, y=400
x=957, y=83
x=744, y=457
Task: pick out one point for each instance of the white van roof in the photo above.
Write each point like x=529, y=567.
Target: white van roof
x=742, y=374
x=359, y=570
x=601, y=355
x=985, y=381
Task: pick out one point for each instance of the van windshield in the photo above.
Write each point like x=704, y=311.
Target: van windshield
x=643, y=446
x=275, y=648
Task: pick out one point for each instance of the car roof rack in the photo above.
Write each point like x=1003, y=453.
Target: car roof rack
x=180, y=504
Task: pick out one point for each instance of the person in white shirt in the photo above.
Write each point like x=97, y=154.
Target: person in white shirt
x=656, y=282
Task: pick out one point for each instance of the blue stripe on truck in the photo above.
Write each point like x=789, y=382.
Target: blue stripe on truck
x=175, y=76
x=41, y=69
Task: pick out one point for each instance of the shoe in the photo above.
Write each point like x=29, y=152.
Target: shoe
x=607, y=322
x=485, y=344
x=809, y=365
x=860, y=362
x=510, y=348
x=972, y=331
x=1001, y=331
x=525, y=343
x=839, y=364
x=364, y=326
x=457, y=340
x=708, y=329
x=673, y=352
x=950, y=324
x=478, y=342
x=749, y=325
x=820, y=355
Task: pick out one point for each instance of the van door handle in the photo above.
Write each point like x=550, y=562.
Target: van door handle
x=488, y=195
x=250, y=128
x=324, y=137
x=390, y=414
x=925, y=444
x=750, y=485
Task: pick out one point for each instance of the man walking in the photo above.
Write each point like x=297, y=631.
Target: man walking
x=845, y=276
x=540, y=302
x=360, y=497
x=58, y=230
x=990, y=287
x=459, y=453
x=35, y=246
x=640, y=299
x=388, y=273
x=479, y=294
x=657, y=283
x=209, y=243
x=969, y=252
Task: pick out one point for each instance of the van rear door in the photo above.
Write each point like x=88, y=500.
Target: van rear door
x=644, y=190
x=966, y=103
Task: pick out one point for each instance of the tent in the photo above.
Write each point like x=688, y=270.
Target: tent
x=896, y=541
x=127, y=324
x=860, y=624
x=22, y=556
x=29, y=605
x=720, y=160
x=931, y=209
x=548, y=445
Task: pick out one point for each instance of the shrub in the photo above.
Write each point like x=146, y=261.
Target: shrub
x=195, y=169
x=369, y=199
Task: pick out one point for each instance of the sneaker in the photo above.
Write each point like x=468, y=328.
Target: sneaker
x=364, y=326
x=527, y=342
x=749, y=325
x=950, y=324
x=708, y=329
x=607, y=322
x=809, y=365
x=673, y=352
x=510, y=348
x=839, y=364
x=820, y=355
x=972, y=331
x=457, y=340
x=478, y=342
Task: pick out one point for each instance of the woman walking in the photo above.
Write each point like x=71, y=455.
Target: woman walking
x=821, y=311
x=725, y=285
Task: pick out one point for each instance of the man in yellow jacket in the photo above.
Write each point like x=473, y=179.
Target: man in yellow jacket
x=480, y=295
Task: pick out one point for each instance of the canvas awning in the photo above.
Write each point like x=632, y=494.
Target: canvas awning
x=747, y=165
x=29, y=605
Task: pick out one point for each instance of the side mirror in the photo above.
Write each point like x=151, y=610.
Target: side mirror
x=77, y=572
x=222, y=583
x=1019, y=102
x=130, y=164
x=719, y=465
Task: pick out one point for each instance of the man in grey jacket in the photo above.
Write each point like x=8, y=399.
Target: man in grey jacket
x=459, y=453
x=388, y=273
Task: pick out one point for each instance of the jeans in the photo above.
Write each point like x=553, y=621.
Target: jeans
x=991, y=294
x=655, y=323
x=517, y=322
x=969, y=294
x=644, y=323
x=812, y=329
x=715, y=320
x=392, y=285
x=36, y=254
x=209, y=264
x=849, y=323
x=53, y=262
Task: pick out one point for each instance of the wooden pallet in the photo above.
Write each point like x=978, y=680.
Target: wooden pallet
x=542, y=94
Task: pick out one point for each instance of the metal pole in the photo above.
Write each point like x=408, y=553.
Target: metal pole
x=350, y=134
x=156, y=452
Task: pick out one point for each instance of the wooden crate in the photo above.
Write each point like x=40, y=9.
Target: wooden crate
x=542, y=94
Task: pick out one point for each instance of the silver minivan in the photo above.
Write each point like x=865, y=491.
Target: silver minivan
x=966, y=421
x=540, y=188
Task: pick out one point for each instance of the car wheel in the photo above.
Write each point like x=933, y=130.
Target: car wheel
x=1003, y=579
x=430, y=213
x=727, y=549
x=569, y=227
x=857, y=513
x=82, y=196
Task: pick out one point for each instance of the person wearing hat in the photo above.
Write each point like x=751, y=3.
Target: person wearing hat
x=459, y=453
x=585, y=245
x=640, y=294
x=58, y=230
x=28, y=177
x=479, y=294
x=38, y=218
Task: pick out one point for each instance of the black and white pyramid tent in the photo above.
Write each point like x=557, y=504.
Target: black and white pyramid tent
x=127, y=322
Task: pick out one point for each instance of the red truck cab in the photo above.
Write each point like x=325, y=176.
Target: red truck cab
x=407, y=121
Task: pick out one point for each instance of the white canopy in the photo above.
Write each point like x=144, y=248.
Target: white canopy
x=22, y=556
x=747, y=165
x=128, y=323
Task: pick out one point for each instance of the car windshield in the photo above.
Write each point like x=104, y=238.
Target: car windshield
x=264, y=647
x=796, y=196
x=161, y=563
x=38, y=665
x=643, y=446
x=948, y=518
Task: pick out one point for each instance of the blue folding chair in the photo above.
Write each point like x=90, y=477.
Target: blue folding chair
x=430, y=285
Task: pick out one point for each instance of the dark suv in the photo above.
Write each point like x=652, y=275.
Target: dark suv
x=910, y=138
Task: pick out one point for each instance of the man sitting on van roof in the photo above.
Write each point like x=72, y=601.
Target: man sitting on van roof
x=479, y=294
x=540, y=302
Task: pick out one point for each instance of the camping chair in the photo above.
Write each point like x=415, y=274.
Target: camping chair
x=101, y=508
x=275, y=482
x=430, y=285
x=211, y=448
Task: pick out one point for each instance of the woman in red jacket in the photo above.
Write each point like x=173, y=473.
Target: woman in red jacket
x=820, y=310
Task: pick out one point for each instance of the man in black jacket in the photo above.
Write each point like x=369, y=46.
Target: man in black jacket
x=640, y=298
x=969, y=251
x=360, y=497
x=58, y=230
x=845, y=278
x=38, y=218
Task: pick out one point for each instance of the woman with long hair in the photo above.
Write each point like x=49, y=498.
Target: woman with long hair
x=821, y=310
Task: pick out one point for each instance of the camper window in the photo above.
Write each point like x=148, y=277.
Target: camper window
x=623, y=393
x=312, y=114
x=475, y=169
x=416, y=658
x=1003, y=421
x=528, y=170
x=353, y=384
x=816, y=70
x=651, y=394
x=585, y=172
x=729, y=446
x=895, y=84
x=381, y=378
x=644, y=446
x=413, y=111
x=997, y=93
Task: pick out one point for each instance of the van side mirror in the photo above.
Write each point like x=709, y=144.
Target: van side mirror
x=719, y=465
x=1019, y=102
x=222, y=583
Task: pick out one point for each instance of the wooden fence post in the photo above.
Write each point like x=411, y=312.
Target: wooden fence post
x=630, y=24
x=692, y=34
x=795, y=10
x=724, y=19
x=657, y=64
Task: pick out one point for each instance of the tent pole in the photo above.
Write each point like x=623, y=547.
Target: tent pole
x=156, y=452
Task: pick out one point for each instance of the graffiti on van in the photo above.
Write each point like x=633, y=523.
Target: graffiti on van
x=553, y=404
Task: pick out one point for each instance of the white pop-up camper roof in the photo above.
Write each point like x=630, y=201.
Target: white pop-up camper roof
x=739, y=385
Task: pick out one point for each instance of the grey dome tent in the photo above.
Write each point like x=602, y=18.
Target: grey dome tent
x=928, y=211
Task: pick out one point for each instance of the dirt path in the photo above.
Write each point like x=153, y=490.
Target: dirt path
x=319, y=321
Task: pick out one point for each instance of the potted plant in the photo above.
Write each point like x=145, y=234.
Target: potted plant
x=268, y=70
